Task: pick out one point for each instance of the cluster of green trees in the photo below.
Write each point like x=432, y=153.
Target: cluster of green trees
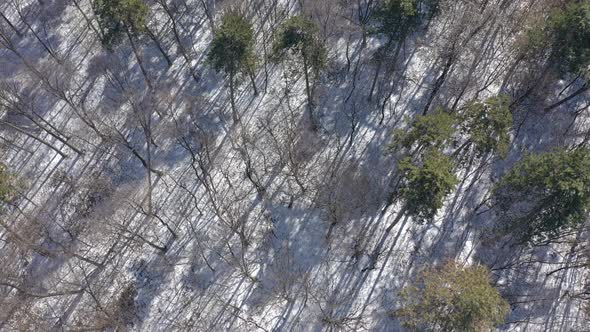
x=232, y=51
x=451, y=298
x=540, y=197
x=427, y=169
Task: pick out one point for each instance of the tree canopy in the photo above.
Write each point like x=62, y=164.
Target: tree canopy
x=232, y=49
x=571, y=30
x=566, y=34
x=453, y=298
x=116, y=17
x=545, y=193
x=396, y=18
x=487, y=125
x=432, y=130
x=426, y=185
x=299, y=34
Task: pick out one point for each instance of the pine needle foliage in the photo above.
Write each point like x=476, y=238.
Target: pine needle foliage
x=545, y=194
x=487, y=125
x=453, y=298
x=117, y=17
x=425, y=185
x=232, y=49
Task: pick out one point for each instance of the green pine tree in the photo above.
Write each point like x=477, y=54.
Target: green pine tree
x=487, y=125
x=426, y=184
x=433, y=130
x=118, y=17
x=232, y=50
x=300, y=36
x=570, y=31
x=545, y=194
x=452, y=298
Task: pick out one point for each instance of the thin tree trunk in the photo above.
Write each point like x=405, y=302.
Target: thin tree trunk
x=377, y=251
x=139, y=62
x=392, y=87
x=14, y=146
x=378, y=69
x=308, y=92
x=438, y=84
x=10, y=24
x=88, y=21
x=374, y=82
x=532, y=88
x=232, y=98
x=158, y=45
x=45, y=46
x=178, y=41
x=209, y=16
x=44, y=142
x=54, y=135
x=578, y=92
x=253, y=81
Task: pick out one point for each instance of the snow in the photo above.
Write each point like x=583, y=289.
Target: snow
x=285, y=274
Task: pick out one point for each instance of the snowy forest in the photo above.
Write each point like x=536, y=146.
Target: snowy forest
x=295, y=165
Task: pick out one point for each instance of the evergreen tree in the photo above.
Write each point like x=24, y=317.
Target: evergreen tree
x=232, y=50
x=570, y=30
x=487, y=125
x=425, y=185
x=433, y=130
x=396, y=18
x=299, y=35
x=118, y=17
x=123, y=17
x=565, y=37
x=544, y=194
x=453, y=298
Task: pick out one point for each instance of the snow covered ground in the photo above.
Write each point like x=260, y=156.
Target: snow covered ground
x=263, y=224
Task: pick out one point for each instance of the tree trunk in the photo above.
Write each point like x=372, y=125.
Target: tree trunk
x=209, y=16
x=378, y=69
x=158, y=45
x=88, y=21
x=139, y=62
x=578, y=92
x=45, y=46
x=178, y=41
x=438, y=84
x=253, y=81
x=308, y=92
x=375, y=77
x=44, y=142
x=232, y=98
x=532, y=88
x=392, y=87
x=10, y=24
x=376, y=252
